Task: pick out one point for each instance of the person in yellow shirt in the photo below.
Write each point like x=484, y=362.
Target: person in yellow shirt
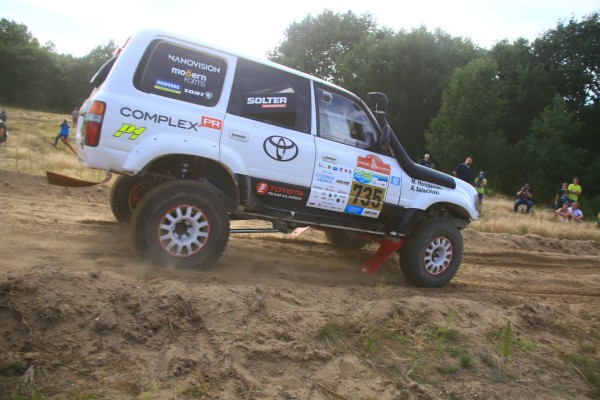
x=574, y=191
x=480, y=183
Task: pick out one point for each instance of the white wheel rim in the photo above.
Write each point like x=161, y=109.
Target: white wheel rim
x=183, y=230
x=438, y=255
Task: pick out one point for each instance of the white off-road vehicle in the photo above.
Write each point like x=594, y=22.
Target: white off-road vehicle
x=201, y=136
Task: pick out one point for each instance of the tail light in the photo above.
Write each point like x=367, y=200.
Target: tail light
x=93, y=123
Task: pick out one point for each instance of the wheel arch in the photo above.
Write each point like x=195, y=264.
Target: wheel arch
x=456, y=215
x=193, y=167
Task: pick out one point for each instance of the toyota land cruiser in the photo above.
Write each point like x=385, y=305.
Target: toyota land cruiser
x=200, y=135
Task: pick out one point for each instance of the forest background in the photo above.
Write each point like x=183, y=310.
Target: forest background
x=526, y=111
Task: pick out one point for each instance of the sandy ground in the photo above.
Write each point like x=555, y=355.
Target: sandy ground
x=280, y=317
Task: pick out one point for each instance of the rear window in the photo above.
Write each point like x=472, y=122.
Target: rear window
x=181, y=73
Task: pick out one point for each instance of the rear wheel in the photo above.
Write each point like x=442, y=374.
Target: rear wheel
x=431, y=255
x=345, y=239
x=180, y=224
x=126, y=193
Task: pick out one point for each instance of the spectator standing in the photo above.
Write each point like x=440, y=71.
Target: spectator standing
x=480, y=183
x=3, y=132
x=561, y=196
x=563, y=214
x=574, y=191
x=576, y=213
x=63, y=133
x=75, y=116
x=524, y=196
x=426, y=162
x=3, y=115
x=463, y=170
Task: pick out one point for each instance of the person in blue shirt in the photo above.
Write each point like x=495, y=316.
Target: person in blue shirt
x=463, y=170
x=63, y=133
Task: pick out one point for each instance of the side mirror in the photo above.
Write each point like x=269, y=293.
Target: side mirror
x=380, y=100
x=326, y=98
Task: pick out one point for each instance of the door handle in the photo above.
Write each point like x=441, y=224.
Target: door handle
x=237, y=135
x=330, y=158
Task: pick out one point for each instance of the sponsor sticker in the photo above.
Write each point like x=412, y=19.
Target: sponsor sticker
x=359, y=189
x=278, y=191
x=211, y=123
x=131, y=130
x=167, y=86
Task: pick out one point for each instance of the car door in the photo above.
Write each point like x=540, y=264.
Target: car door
x=266, y=134
x=352, y=175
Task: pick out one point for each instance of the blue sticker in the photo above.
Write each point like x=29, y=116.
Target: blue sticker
x=362, y=177
x=395, y=180
x=353, y=210
x=167, y=86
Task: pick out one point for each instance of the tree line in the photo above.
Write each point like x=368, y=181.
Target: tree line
x=34, y=76
x=526, y=111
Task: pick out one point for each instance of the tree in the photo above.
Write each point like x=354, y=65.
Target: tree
x=15, y=34
x=315, y=45
x=526, y=87
x=551, y=154
x=412, y=68
x=468, y=120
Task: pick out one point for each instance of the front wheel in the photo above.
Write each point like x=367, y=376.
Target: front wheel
x=431, y=255
x=181, y=224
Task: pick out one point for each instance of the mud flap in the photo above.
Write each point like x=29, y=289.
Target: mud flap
x=388, y=246
x=61, y=180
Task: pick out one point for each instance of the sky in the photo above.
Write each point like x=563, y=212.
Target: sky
x=257, y=27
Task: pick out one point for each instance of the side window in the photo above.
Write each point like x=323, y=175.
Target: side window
x=343, y=120
x=269, y=95
x=181, y=73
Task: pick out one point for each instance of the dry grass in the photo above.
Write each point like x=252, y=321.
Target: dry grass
x=497, y=216
x=28, y=150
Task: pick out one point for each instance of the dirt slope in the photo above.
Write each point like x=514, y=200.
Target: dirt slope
x=280, y=317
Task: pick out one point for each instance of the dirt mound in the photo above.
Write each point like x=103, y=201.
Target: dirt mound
x=282, y=318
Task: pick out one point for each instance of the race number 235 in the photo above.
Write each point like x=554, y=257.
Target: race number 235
x=367, y=196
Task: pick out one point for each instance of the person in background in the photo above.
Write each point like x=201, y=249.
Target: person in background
x=63, y=133
x=3, y=115
x=75, y=115
x=576, y=213
x=598, y=221
x=563, y=214
x=463, y=170
x=426, y=162
x=3, y=133
x=561, y=196
x=480, y=183
x=574, y=191
x=524, y=196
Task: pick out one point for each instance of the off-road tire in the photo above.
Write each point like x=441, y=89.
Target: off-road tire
x=181, y=224
x=126, y=193
x=344, y=239
x=432, y=253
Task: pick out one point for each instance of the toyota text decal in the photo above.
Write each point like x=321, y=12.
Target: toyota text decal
x=280, y=148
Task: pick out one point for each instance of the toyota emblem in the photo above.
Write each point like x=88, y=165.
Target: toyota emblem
x=280, y=148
